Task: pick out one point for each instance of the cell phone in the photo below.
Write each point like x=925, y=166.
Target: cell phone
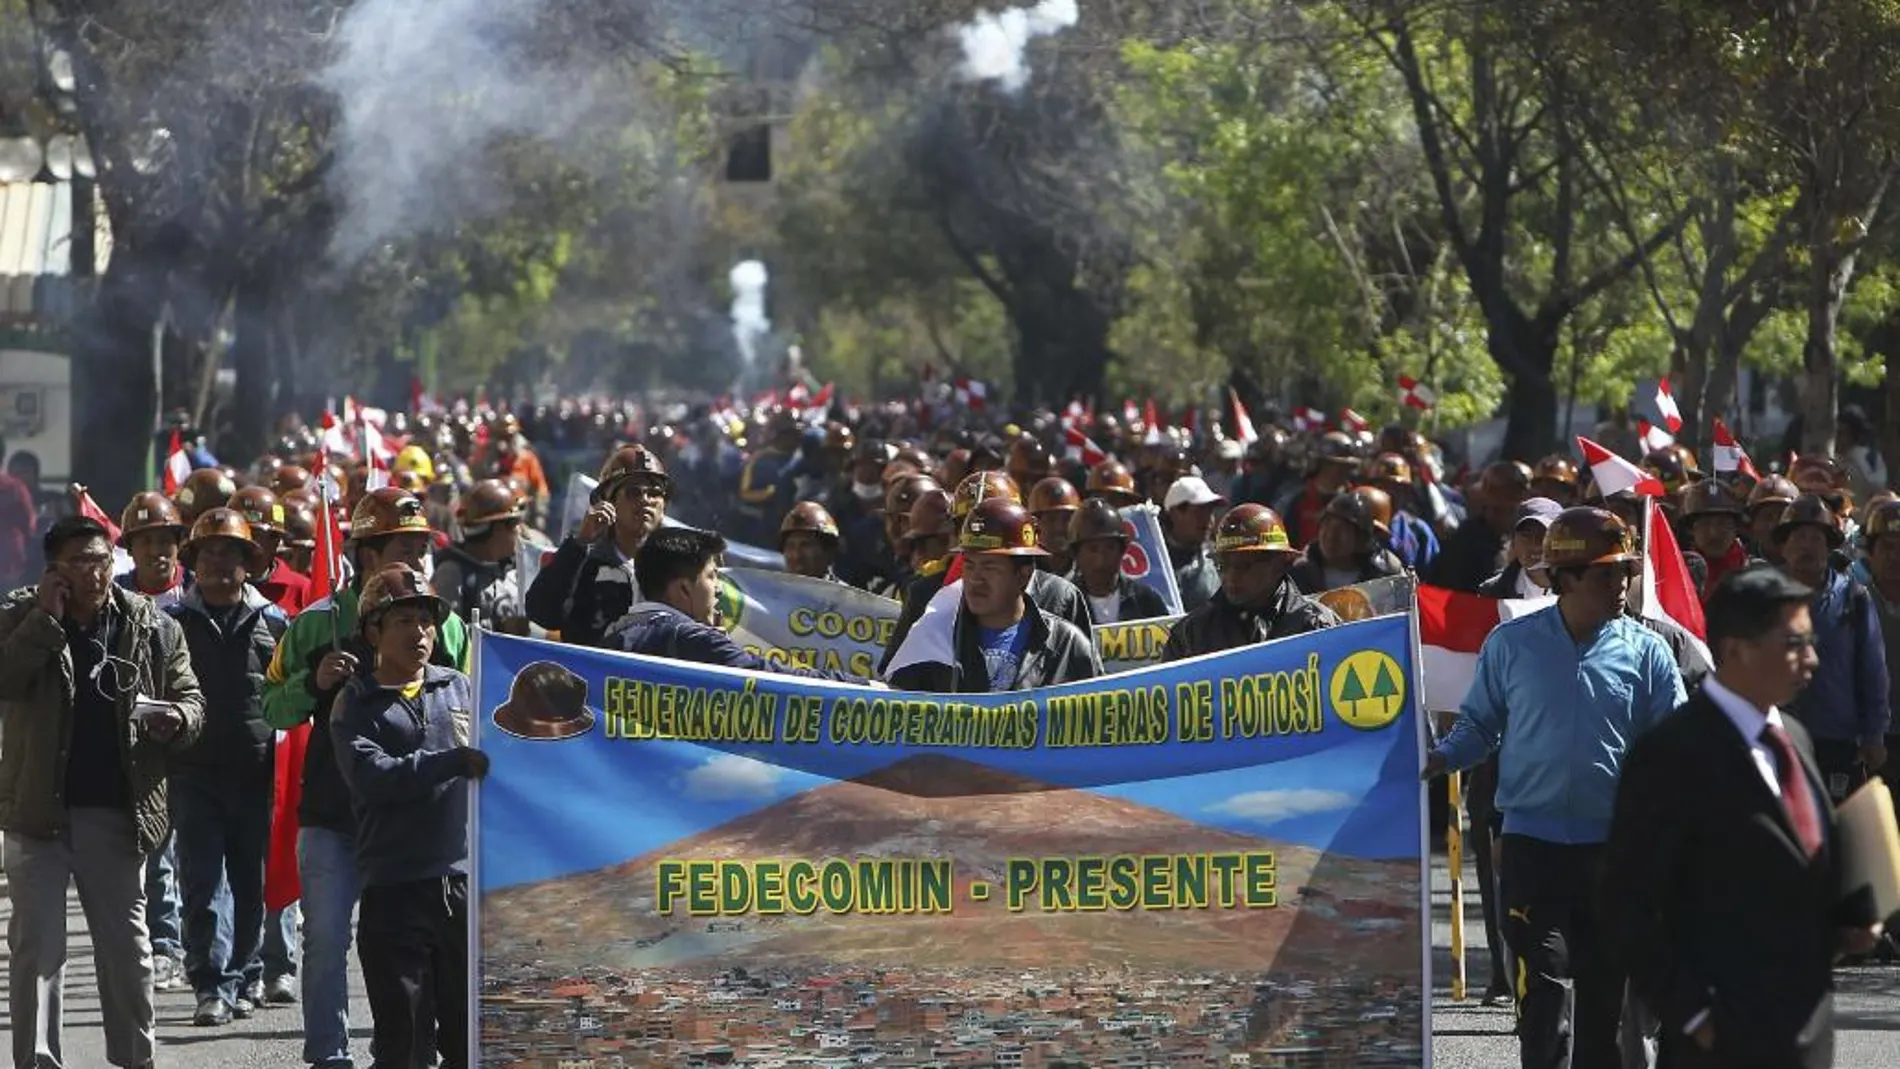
x=144, y=709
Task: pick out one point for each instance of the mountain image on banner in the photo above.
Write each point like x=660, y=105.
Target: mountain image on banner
x=979, y=817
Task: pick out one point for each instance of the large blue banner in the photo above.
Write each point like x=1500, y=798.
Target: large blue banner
x=680, y=864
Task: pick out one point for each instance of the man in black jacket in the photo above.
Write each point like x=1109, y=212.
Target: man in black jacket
x=999, y=639
x=1477, y=549
x=1722, y=795
x=1256, y=601
x=1098, y=539
x=1354, y=529
x=221, y=787
x=401, y=734
x=590, y=582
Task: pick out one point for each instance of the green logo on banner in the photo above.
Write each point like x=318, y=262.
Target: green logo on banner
x=1368, y=690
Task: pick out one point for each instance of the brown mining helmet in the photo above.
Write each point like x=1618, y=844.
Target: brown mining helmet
x=1884, y=519
x=1710, y=497
x=1028, y=460
x=1811, y=510
x=903, y=492
x=489, y=501
x=631, y=462
x=150, y=511
x=228, y=524
x=289, y=477
x=1389, y=467
x=206, y=488
x=1366, y=507
x=1583, y=536
x=1097, y=519
x=393, y=585
x=1252, y=528
x=930, y=517
x=388, y=511
x=1555, y=468
x=261, y=509
x=981, y=486
x=1111, y=482
x=1054, y=494
x=999, y=527
x=812, y=517
x=1775, y=490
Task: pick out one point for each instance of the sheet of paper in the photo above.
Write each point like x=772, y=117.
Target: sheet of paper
x=1870, y=845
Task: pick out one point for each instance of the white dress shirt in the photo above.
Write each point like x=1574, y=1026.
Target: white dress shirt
x=1751, y=722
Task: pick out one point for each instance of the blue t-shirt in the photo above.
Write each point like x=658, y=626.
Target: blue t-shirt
x=1003, y=652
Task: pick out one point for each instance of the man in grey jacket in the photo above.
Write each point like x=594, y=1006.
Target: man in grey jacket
x=96, y=693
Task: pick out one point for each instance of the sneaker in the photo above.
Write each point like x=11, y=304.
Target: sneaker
x=168, y=974
x=244, y=1008
x=253, y=992
x=281, y=991
x=212, y=1012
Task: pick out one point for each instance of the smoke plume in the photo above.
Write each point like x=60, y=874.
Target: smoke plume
x=425, y=88
x=749, y=323
x=995, y=44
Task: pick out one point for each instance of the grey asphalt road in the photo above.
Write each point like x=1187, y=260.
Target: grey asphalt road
x=270, y=1039
x=1467, y=1035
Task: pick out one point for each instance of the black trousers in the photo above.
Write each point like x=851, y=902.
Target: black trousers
x=1480, y=803
x=412, y=939
x=1570, y=994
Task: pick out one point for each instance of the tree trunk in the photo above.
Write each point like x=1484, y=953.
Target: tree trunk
x=1530, y=430
x=112, y=378
x=1821, y=385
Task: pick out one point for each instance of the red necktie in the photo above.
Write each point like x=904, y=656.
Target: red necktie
x=1796, y=796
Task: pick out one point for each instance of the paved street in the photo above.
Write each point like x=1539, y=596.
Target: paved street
x=1467, y=1036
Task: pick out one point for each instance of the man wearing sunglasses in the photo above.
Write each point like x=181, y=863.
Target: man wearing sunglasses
x=1561, y=694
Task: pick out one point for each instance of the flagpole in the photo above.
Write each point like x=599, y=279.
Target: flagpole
x=326, y=530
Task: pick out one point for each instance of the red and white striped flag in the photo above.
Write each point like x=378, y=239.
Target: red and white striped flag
x=1653, y=437
x=1086, y=450
x=1130, y=414
x=1614, y=474
x=177, y=465
x=1074, y=414
x=1668, y=588
x=1452, y=626
x=1415, y=394
x=82, y=500
x=1729, y=454
x=1308, y=419
x=1151, y=420
x=1243, y=422
x=1353, y=422
x=972, y=394
x=1666, y=407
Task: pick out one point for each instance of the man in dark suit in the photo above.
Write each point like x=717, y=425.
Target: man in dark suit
x=1722, y=890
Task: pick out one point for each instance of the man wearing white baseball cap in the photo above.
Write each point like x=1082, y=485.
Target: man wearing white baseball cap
x=1187, y=519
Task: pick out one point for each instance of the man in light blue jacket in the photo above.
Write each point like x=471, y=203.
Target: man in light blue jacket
x=1562, y=694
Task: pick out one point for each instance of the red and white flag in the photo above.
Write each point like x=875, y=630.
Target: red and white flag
x=1353, y=421
x=1308, y=419
x=1452, y=626
x=177, y=465
x=82, y=500
x=1729, y=454
x=1415, y=394
x=1130, y=414
x=972, y=394
x=1085, y=449
x=1668, y=588
x=1152, y=421
x=1666, y=407
x=1653, y=437
x=1614, y=474
x=1074, y=414
x=1243, y=423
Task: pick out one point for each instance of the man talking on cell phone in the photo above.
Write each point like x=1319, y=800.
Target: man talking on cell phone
x=96, y=693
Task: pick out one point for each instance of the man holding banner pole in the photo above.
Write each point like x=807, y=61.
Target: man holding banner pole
x=1565, y=691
